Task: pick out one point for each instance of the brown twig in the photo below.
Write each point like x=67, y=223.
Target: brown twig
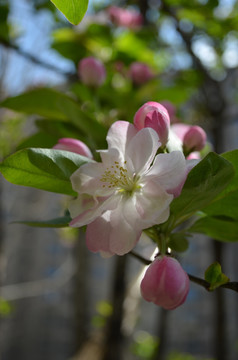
x=230, y=285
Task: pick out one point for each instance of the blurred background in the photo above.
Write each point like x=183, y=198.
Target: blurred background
x=57, y=300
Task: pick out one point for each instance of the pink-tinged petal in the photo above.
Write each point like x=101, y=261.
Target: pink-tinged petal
x=142, y=149
x=120, y=134
x=169, y=170
x=90, y=214
x=123, y=236
x=180, y=129
x=73, y=145
x=98, y=234
x=88, y=179
x=152, y=205
x=165, y=283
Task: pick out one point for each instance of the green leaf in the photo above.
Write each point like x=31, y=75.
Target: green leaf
x=73, y=10
x=226, y=202
x=52, y=223
x=214, y=276
x=55, y=105
x=178, y=242
x=204, y=182
x=44, y=169
x=223, y=229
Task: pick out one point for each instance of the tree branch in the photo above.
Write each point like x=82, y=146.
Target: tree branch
x=230, y=285
x=35, y=60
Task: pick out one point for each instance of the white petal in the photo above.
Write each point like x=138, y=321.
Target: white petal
x=174, y=143
x=152, y=204
x=119, y=134
x=142, y=149
x=88, y=215
x=169, y=170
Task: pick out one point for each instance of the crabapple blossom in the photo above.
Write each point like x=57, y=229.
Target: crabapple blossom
x=130, y=190
x=140, y=73
x=73, y=145
x=124, y=17
x=165, y=283
x=154, y=115
x=91, y=71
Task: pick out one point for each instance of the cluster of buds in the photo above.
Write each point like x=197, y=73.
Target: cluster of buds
x=152, y=188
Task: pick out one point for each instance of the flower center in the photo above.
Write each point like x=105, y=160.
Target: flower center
x=117, y=177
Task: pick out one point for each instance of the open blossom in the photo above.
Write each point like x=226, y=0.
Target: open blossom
x=125, y=17
x=91, y=71
x=154, y=115
x=127, y=192
x=165, y=283
x=73, y=145
x=140, y=73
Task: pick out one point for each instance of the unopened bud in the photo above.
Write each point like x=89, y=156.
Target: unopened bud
x=91, y=71
x=165, y=283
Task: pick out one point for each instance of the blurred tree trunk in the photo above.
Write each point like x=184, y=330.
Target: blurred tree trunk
x=81, y=281
x=113, y=349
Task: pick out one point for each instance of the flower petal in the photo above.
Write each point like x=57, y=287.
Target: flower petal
x=119, y=134
x=152, y=205
x=169, y=170
x=142, y=149
x=98, y=234
x=87, y=215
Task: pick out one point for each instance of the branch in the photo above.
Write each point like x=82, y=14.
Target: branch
x=35, y=60
x=230, y=285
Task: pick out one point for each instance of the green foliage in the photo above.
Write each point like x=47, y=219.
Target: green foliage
x=144, y=345
x=73, y=10
x=215, y=277
x=5, y=308
x=53, y=223
x=44, y=169
x=178, y=241
x=219, y=228
x=225, y=204
x=52, y=104
x=204, y=182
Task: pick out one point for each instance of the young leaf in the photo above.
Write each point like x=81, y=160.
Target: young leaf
x=214, y=276
x=45, y=169
x=219, y=228
x=204, y=182
x=73, y=10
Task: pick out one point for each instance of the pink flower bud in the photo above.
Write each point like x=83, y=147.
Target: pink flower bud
x=165, y=283
x=154, y=115
x=195, y=138
x=140, y=73
x=124, y=17
x=73, y=145
x=91, y=71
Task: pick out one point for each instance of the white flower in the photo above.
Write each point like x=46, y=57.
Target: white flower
x=127, y=192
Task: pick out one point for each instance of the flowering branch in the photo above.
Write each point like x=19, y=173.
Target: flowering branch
x=230, y=285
